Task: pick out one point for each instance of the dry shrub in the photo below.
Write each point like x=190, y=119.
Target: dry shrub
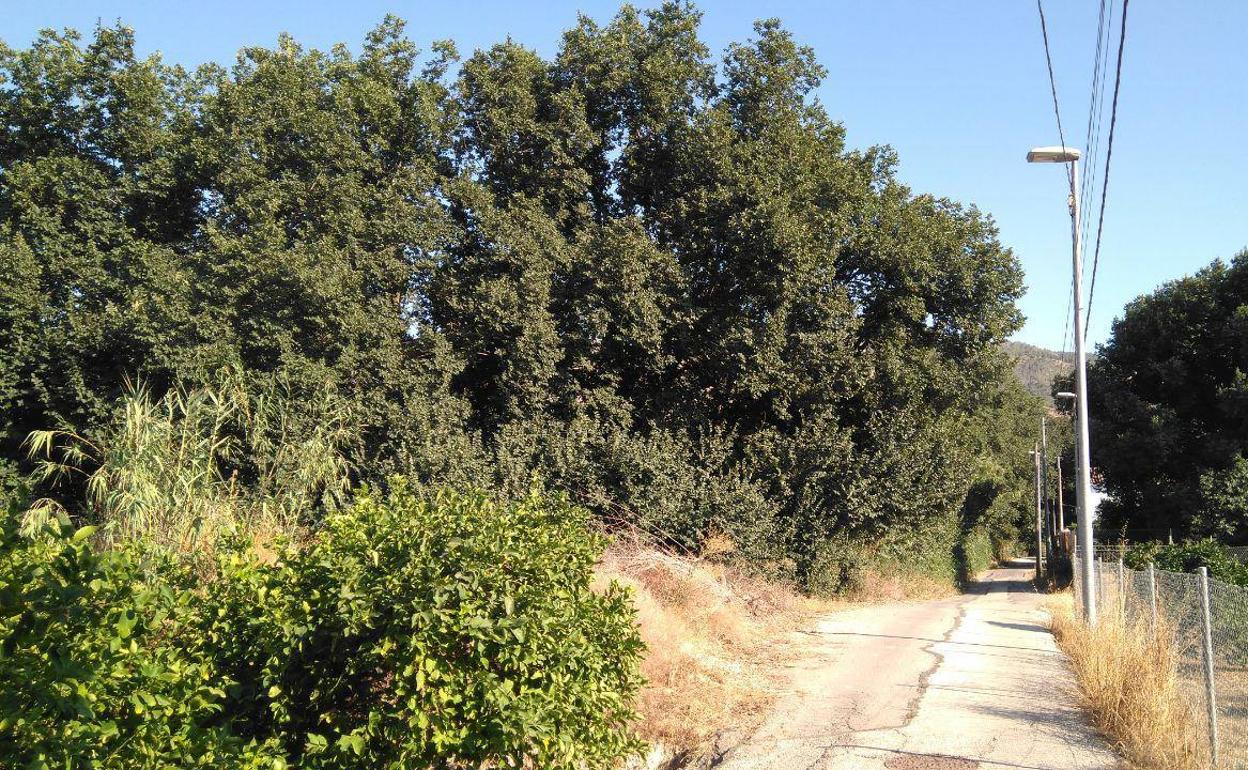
x=1129, y=679
x=902, y=585
x=711, y=633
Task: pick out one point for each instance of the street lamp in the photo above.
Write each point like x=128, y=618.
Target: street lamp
x=1083, y=470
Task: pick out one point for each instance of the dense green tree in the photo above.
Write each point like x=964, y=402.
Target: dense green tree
x=659, y=281
x=1168, y=395
x=93, y=199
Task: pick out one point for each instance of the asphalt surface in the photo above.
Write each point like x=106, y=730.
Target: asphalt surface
x=970, y=683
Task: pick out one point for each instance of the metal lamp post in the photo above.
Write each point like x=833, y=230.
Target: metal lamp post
x=1083, y=471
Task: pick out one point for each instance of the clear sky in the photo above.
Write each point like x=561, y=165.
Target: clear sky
x=958, y=87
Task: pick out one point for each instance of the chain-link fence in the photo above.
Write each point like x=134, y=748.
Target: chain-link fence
x=1208, y=622
x=1114, y=551
x=1108, y=551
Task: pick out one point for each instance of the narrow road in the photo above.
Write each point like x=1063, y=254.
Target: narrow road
x=969, y=683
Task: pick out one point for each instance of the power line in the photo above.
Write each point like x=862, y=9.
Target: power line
x=1096, y=100
x=1096, y=103
x=1070, y=295
x=1057, y=113
x=1109, y=153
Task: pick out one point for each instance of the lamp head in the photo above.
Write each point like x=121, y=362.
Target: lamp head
x=1056, y=154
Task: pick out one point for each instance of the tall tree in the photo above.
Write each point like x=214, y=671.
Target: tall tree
x=655, y=279
x=1168, y=396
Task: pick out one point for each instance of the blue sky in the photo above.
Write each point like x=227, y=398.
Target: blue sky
x=958, y=87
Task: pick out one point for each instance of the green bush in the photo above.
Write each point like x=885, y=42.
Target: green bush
x=975, y=553
x=419, y=633
x=416, y=633
x=1186, y=557
x=95, y=666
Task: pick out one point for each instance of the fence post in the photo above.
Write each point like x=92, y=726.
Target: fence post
x=1211, y=698
x=1152, y=598
x=1100, y=582
x=1122, y=593
x=1075, y=582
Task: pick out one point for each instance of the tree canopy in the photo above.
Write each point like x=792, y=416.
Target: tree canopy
x=1169, y=408
x=657, y=279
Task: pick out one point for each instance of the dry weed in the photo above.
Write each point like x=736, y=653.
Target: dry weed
x=714, y=638
x=1129, y=680
x=875, y=586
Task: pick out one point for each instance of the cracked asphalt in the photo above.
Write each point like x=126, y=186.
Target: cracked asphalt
x=969, y=683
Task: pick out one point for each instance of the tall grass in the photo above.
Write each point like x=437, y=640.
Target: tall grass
x=184, y=467
x=1129, y=678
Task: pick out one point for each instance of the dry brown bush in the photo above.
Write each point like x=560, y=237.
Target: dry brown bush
x=718, y=636
x=715, y=635
x=876, y=586
x=1128, y=678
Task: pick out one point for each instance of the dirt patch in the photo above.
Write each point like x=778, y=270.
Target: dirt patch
x=718, y=645
x=929, y=762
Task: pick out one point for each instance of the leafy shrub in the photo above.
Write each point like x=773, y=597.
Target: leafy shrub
x=446, y=632
x=1186, y=557
x=95, y=665
x=975, y=553
x=450, y=632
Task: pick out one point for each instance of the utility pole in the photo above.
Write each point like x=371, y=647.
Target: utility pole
x=1061, y=514
x=1035, y=453
x=1044, y=488
x=1083, y=469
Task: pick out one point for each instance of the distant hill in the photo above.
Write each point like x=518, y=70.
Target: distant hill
x=1036, y=367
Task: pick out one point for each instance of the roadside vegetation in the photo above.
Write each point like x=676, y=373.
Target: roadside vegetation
x=715, y=637
x=1169, y=410
x=411, y=632
x=1128, y=677
x=1187, y=557
x=329, y=376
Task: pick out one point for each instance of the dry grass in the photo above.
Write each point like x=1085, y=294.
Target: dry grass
x=715, y=636
x=1129, y=680
x=719, y=638
x=899, y=585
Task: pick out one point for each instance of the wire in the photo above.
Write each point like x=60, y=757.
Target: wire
x=1070, y=295
x=1109, y=153
x=1095, y=111
x=1061, y=135
x=1048, y=60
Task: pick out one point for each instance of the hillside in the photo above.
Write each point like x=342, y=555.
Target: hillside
x=1036, y=367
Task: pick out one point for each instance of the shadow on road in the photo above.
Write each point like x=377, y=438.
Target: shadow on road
x=1031, y=650
x=1020, y=626
x=983, y=587
x=933, y=761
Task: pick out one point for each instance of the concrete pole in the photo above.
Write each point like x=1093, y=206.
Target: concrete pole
x=1044, y=488
x=1061, y=514
x=1122, y=592
x=1039, y=534
x=1083, y=477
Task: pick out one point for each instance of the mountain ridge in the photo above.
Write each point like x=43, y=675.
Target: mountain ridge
x=1036, y=367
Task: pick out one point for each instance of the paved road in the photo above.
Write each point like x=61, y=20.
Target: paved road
x=969, y=683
